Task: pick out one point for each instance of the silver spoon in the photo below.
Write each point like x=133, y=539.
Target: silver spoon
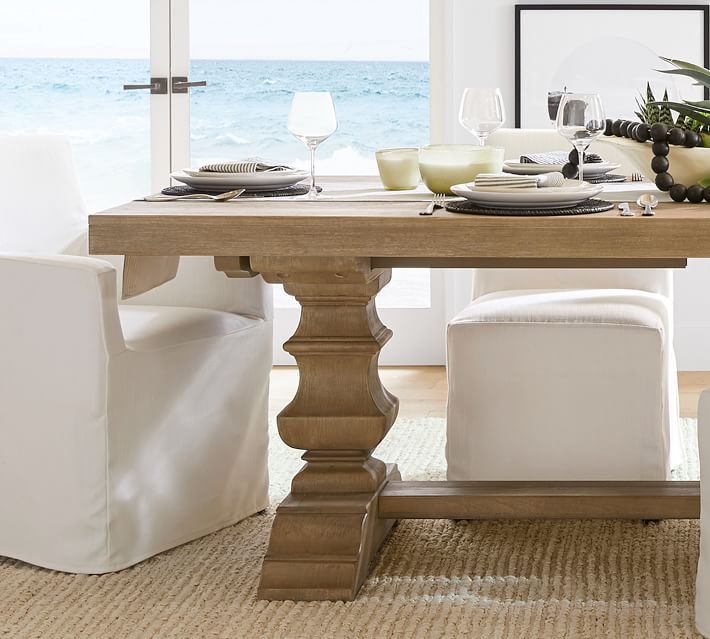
x=222, y=197
x=647, y=202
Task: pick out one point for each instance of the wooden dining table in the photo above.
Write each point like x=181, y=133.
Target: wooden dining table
x=334, y=256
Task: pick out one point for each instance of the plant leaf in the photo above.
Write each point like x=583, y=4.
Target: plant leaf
x=703, y=76
x=649, y=93
x=680, y=64
x=666, y=115
x=691, y=111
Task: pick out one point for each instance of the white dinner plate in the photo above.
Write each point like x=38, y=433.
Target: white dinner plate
x=558, y=197
x=591, y=169
x=262, y=181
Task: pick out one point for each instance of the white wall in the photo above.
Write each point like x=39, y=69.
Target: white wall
x=475, y=46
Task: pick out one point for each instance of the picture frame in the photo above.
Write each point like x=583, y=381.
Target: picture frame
x=571, y=53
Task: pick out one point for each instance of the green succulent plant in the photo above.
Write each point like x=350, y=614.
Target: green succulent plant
x=691, y=115
x=652, y=111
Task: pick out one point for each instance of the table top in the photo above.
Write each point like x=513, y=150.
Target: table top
x=353, y=227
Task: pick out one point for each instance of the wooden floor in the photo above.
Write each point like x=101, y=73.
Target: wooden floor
x=422, y=389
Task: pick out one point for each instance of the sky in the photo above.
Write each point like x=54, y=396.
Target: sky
x=222, y=29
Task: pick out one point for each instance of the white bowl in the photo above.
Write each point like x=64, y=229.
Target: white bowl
x=687, y=166
x=443, y=165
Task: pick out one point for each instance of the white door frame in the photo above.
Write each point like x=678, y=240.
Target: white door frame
x=160, y=131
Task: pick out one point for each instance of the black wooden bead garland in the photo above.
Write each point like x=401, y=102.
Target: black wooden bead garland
x=663, y=136
x=571, y=169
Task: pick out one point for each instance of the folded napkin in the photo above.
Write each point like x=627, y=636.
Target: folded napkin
x=556, y=157
x=250, y=165
x=506, y=180
x=553, y=157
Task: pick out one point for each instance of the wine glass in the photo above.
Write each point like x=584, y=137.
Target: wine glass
x=580, y=119
x=481, y=112
x=312, y=120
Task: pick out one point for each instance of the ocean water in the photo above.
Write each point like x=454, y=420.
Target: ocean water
x=242, y=112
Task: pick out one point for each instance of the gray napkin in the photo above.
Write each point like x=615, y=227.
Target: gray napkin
x=250, y=165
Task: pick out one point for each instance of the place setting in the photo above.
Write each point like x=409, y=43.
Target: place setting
x=538, y=184
x=312, y=119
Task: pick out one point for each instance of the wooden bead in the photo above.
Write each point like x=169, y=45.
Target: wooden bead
x=695, y=194
x=660, y=148
x=659, y=131
x=660, y=164
x=691, y=139
x=678, y=192
x=642, y=133
x=676, y=136
x=664, y=181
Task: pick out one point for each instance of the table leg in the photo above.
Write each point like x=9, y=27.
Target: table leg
x=327, y=531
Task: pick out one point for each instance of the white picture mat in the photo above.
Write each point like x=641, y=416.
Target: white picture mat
x=610, y=52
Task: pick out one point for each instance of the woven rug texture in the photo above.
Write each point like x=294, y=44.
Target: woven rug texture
x=498, y=580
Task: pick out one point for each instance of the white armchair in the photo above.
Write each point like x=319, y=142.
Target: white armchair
x=517, y=142
x=562, y=374
x=126, y=429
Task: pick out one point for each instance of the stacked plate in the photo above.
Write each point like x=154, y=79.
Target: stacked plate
x=553, y=197
x=591, y=169
x=210, y=182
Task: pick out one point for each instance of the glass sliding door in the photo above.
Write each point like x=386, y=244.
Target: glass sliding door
x=372, y=56
x=62, y=70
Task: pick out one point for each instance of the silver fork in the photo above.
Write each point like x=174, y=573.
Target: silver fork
x=637, y=177
x=222, y=197
x=437, y=202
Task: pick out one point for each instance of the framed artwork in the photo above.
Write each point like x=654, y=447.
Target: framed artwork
x=609, y=49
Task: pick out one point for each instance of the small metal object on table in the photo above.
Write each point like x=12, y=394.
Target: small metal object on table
x=220, y=197
x=647, y=202
x=625, y=210
x=438, y=202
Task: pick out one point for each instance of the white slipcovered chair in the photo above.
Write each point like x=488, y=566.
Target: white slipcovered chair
x=517, y=142
x=562, y=374
x=702, y=590
x=126, y=429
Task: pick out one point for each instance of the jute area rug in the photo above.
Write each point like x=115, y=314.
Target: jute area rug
x=502, y=580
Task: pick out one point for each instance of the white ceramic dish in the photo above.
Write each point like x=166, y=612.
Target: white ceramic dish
x=687, y=166
x=523, y=168
x=570, y=194
x=263, y=181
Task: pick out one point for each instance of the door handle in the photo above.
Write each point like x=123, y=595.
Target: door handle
x=182, y=85
x=157, y=86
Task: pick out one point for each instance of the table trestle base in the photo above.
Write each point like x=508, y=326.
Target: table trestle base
x=646, y=500
x=328, y=530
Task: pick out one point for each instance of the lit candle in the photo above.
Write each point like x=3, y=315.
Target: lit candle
x=399, y=168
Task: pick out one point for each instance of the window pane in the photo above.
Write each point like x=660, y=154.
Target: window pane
x=377, y=71
x=62, y=70
x=409, y=288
